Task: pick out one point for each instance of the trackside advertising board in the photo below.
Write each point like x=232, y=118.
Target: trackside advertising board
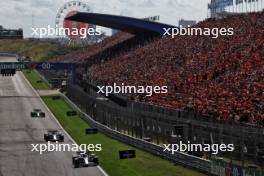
x=127, y=154
x=36, y=65
x=12, y=65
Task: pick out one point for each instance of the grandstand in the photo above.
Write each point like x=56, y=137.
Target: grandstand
x=218, y=81
x=207, y=76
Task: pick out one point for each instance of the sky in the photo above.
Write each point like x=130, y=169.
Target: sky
x=18, y=13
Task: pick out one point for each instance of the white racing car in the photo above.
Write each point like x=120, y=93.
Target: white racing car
x=84, y=160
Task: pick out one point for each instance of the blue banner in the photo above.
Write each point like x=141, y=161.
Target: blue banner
x=36, y=65
x=52, y=66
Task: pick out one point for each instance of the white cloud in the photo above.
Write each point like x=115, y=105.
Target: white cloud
x=18, y=13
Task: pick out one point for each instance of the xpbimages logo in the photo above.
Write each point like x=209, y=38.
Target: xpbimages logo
x=57, y=31
x=125, y=89
x=189, y=147
x=57, y=147
x=197, y=31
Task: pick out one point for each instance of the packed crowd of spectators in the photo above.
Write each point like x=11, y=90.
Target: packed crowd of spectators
x=81, y=55
x=221, y=77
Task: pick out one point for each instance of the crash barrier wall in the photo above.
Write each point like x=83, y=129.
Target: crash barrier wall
x=180, y=158
x=159, y=125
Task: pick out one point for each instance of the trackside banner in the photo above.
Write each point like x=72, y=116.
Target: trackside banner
x=35, y=65
x=221, y=168
x=13, y=65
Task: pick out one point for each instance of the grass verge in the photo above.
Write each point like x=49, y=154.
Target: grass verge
x=34, y=78
x=144, y=164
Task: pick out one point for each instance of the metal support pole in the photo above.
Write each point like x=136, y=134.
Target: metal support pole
x=73, y=73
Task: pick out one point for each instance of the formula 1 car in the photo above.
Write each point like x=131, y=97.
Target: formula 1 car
x=53, y=136
x=84, y=160
x=37, y=113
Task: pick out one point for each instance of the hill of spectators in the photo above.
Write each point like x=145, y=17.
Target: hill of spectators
x=221, y=77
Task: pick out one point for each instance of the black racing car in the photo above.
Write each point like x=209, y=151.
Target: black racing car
x=53, y=136
x=37, y=113
x=84, y=160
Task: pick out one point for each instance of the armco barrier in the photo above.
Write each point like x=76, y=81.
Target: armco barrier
x=178, y=157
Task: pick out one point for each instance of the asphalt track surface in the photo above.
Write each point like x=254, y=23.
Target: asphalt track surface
x=18, y=131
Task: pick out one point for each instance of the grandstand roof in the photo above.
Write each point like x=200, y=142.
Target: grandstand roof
x=127, y=24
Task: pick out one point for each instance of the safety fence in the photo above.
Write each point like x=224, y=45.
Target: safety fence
x=178, y=157
x=161, y=125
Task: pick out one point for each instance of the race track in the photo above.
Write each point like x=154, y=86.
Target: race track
x=18, y=131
